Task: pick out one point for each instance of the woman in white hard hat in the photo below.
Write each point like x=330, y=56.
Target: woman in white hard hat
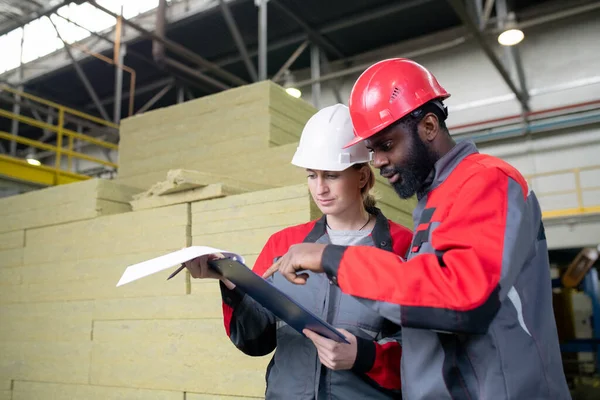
x=307, y=367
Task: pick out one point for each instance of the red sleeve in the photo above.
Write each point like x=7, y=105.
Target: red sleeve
x=380, y=361
x=386, y=368
x=401, y=239
x=457, y=287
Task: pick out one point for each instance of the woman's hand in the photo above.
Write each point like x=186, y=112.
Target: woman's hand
x=199, y=269
x=335, y=355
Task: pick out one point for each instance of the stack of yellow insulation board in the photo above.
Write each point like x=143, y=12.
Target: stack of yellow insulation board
x=200, y=175
x=81, y=200
x=229, y=134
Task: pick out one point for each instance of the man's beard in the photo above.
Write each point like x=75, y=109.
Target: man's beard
x=415, y=170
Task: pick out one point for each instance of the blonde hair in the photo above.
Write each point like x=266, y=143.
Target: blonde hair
x=369, y=200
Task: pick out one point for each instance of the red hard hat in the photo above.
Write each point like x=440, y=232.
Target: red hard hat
x=387, y=91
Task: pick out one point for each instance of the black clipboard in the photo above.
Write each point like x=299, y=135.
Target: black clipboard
x=273, y=299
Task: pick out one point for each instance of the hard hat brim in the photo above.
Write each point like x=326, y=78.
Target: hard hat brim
x=357, y=139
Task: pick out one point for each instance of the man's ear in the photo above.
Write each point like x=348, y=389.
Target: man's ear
x=429, y=127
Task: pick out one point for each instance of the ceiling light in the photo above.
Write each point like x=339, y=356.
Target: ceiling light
x=511, y=37
x=34, y=161
x=31, y=159
x=294, y=92
x=289, y=83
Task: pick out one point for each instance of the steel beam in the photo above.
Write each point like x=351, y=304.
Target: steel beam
x=463, y=14
x=356, y=69
x=286, y=65
x=314, y=36
x=335, y=84
x=14, y=129
x=239, y=41
x=138, y=91
x=333, y=27
x=176, y=48
x=315, y=74
x=14, y=126
x=112, y=42
x=191, y=71
x=119, y=85
x=82, y=76
x=262, y=38
x=180, y=95
x=189, y=94
x=24, y=21
x=155, y=98
x=487, y=12
x=158, y=48
x=513, y=56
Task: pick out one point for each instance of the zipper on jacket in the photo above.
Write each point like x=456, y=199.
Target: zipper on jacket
x=325, y=315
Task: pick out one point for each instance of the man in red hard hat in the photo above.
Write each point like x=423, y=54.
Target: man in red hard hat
x=474, y=294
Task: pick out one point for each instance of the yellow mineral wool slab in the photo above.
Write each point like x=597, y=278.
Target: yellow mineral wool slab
x=171, y=356
x=46, y=322
x=12, y=240
x=60, y=391
x=66, y=362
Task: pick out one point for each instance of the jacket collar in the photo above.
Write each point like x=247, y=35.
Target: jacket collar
x=445, y=165
x=381, y=232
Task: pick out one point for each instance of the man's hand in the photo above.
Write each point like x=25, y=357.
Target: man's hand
x=303, y=256
x=199, y=269
x=334, y=355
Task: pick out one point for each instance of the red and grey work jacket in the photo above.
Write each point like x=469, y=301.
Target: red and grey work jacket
x=295, y=371
x=474, y=298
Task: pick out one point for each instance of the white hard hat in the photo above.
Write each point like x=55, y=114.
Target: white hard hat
x=323, y=138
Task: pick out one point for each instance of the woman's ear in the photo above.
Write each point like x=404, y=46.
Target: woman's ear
x=364, y=175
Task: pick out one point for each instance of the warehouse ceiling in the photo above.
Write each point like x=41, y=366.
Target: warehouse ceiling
x=346, y=28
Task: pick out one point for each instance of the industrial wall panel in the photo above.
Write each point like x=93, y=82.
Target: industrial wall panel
x=188, y=355
x=60, y=391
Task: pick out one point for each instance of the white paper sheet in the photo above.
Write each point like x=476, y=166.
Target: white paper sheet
x=154, y=265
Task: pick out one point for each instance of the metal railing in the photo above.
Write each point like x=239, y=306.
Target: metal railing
x=63, y=134
x=582, y=207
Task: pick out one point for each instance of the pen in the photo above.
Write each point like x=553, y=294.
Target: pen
x=178, y=270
